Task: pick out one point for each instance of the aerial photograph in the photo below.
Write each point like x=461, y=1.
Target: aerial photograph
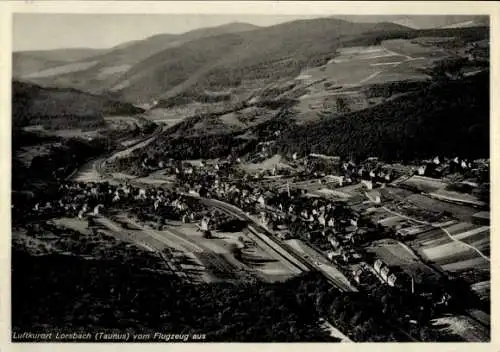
x=250, y=178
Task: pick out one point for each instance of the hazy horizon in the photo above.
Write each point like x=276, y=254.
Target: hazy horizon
x=32, y=32
x=67, y=31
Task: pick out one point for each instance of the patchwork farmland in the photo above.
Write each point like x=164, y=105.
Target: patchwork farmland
x=341, y=83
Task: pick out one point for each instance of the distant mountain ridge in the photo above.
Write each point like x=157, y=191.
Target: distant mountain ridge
x=121, y=56
x=421, y=21
x=221, y=58
x=212, y=62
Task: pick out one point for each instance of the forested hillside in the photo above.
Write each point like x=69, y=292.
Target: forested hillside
x=62, y=108
x=447, y=118
x=263, y=55
x=119, y=293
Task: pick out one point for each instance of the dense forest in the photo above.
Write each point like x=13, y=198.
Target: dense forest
x=443, y=117
x=446, y=118
x=67, y=292
x=58, y=108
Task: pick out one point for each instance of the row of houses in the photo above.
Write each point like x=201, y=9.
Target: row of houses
x=91, y=199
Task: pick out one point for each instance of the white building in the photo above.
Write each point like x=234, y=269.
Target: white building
x=367, y=184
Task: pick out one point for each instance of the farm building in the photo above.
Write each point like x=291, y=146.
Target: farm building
x=378, y=265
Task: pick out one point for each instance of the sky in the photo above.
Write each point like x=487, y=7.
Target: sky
x=34, y=31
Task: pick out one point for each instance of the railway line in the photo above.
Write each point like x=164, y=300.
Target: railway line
x=283, y=249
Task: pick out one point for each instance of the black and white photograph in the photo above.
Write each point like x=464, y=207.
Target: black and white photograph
x=250, y=178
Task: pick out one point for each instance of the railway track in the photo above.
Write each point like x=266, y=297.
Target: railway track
x=298, y=261
x=283, y=249
x=227, y=207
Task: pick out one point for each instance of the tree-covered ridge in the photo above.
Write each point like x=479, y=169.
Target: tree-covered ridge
x=62, y=108
x=446, y=118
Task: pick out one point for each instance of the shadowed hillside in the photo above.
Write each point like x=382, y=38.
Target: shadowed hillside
x=62, y=108
x=447, y=118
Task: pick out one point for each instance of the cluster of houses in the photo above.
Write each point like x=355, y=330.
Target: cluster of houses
x=441, y=166
x=90, y=199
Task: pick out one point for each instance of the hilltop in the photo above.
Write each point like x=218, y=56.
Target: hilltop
x=449, y=117
x=227, y=63
x=240, y=64
x=233, y=60
x=101, y=71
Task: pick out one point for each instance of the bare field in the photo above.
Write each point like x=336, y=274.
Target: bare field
x=455, y=257
x=129, y=121
x=88, y=173
x=126, y=152
x=393, y=193
x=477, y=263
x=181, y=112
x=441, y=252
x=61, y=70
x=157, y=177
x=358, y=65
x=458, y=197
x=411, y=48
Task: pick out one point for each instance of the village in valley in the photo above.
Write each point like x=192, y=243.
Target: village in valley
x=420, y=229
x=329, y=192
